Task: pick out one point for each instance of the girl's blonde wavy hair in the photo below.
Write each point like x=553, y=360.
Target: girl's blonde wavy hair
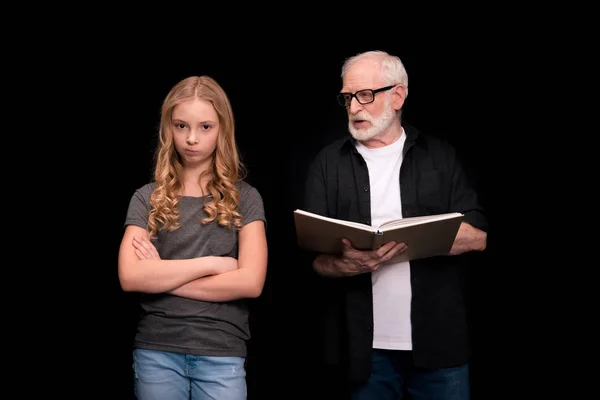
x=225, y=171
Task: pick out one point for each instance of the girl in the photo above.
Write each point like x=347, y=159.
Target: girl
x=195, y=249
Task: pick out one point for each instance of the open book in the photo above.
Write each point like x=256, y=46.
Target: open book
x=425, y=236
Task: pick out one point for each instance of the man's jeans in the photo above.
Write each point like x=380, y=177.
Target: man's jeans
x=171, y=376
x=392, y=375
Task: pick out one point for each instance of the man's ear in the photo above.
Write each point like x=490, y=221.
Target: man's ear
x=399, y=94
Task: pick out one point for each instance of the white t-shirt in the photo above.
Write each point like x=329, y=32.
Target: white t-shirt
x=391, y=283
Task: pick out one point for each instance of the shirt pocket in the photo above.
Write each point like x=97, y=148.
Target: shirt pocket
x=431, y=194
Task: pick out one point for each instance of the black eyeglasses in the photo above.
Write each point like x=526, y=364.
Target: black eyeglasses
x=364, y=96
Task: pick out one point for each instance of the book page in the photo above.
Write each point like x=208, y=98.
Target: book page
x=338, y=221
x=417, y=220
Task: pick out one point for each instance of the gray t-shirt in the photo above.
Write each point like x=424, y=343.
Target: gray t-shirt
x=177, y=324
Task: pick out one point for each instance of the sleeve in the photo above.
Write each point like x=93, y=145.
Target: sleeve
x=139, y=209
x=315, y=188
x=251, y=205
x=314, y=199
x=465, y=198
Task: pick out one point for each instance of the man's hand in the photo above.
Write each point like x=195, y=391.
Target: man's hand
x=354, y=262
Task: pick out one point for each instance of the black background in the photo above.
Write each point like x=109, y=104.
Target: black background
x=283, y=98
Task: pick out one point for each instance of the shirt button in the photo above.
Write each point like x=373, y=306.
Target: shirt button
x=366, y=189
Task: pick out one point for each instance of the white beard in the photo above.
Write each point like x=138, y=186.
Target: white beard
x=378, y=125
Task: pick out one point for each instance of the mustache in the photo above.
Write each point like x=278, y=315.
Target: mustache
x=361, y=116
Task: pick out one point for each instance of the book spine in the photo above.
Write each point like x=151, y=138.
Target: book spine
x=377, y=240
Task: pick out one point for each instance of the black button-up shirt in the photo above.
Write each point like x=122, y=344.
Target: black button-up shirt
x=432, y=181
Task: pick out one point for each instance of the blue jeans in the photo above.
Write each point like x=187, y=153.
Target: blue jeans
x=172, y=376
x=393, y=376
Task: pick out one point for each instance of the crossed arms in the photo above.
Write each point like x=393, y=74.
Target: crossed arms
x=210, y=278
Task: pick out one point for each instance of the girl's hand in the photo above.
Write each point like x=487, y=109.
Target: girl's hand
x=144, y=249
